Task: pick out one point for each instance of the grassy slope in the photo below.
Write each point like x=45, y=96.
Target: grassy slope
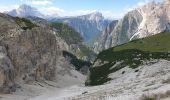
x=27, y=22
x=132, y=54
x=67, y=33
x=156, y=43
x=78, y=63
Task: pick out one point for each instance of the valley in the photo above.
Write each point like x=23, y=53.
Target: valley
x=86, y=56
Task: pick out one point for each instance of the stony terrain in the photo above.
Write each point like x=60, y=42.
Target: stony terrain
x=148, y=81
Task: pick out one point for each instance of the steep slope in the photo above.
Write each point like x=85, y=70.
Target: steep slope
x=32, y=53
x=75, y=41
x=25, y=11
x=144, y=21
x=133, y=54
x=100, y=42
x=67, y=33
x=88, y=25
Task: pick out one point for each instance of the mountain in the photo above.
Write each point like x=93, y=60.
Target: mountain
x=145, y=21
x=25, y=11
x=89, y=25
x=31, y=53
x=145, y=51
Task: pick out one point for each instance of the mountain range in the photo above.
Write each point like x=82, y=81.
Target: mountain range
x=89, y=26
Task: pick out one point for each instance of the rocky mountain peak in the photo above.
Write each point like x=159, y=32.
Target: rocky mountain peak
x=24, y=11
x=96, y=16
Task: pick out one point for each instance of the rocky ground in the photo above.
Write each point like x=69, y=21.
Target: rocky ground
x=135, y=84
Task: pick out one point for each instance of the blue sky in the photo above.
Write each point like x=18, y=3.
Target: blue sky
x=109, y=8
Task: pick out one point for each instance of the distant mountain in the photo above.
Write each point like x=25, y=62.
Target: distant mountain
x=25, y=11
x=90, y=25
x=145, y=21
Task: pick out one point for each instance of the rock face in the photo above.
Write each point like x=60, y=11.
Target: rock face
x=156, y=19
x=145, y=21
x=88, y=25
x=6, y=72
x=24, y=11
x=100, y=44
x=29, y=54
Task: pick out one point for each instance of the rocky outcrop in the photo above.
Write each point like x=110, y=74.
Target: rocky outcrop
x=6, y=72
x=29, y=54
x=156, y=19
x=100, y=44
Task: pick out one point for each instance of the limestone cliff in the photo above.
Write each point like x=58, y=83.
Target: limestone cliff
x=29, y=52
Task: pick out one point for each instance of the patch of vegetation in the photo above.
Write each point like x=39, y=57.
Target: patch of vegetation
x=148, y=98
x=86, y=51
x=157, y=96
x=27, y=22
x=156, y=43
x=78, y=63
x=132, y=54
x=167, y=81
x=67, y=33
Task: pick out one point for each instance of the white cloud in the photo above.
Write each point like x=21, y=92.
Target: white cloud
x=54, y=11
x=41, y=2
x=8, y=7
x=139, y=4
x=51, y=10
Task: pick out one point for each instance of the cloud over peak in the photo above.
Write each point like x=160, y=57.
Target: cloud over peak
x=41, y=2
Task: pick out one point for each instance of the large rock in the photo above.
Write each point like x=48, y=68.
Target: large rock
x=6, y=72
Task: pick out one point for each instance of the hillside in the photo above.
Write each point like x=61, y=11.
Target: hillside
x=67, y=33
x=133, y=54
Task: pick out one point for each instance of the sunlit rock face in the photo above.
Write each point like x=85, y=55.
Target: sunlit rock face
x=144, y=21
